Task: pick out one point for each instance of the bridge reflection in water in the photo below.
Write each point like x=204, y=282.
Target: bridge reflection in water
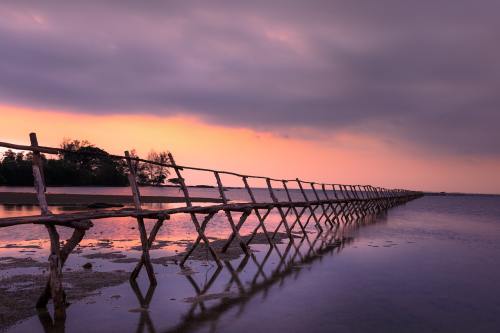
x=273, y=267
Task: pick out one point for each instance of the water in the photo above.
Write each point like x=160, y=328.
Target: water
x=430, y=265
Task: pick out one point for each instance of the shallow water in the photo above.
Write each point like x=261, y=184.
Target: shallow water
x=430, y=265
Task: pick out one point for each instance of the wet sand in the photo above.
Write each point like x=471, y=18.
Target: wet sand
x=18, y=292
x=59, y=199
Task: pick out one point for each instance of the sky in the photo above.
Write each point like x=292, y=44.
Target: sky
x=390, y=93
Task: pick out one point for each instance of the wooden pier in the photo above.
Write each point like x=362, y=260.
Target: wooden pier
x=326, y=206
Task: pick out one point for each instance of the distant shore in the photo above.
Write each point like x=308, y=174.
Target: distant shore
x=458, y=194
x=63, y=199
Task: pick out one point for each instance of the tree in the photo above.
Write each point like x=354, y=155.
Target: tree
x=16, y=169
x=156, y=174
x=93, y=165
x=81, y=164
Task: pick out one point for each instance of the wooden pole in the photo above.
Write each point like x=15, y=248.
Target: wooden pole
x=294, y=209
x=145, y=259
x=316, y=220
x=332, y=205
x=55, y=265
x=257, y=213
x=327, y=218
x=280, y=210
x=194, y=219
x=235, y=230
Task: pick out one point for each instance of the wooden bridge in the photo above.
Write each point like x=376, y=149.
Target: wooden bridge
x=330, y=206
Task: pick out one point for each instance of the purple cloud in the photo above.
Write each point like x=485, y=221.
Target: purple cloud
x=425, y=72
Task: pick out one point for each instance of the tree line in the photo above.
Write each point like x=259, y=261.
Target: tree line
x=82, y=164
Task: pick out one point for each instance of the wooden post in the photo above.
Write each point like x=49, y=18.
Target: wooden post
x=145, y=260
x=55, y=266
x=65, y=251
x=370, y=205
x=352, y=207
x=259, y=216
x=316, y=220
x=332, y=205
x=229, y=216
x=283, y=217
x=365, y=202
x=327, y=218
x=376, y=198
x=357, y=200
x=341, y=205
x=294, y=209
x=199, y=229
x=346, y=213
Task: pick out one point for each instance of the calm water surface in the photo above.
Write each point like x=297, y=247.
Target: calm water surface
x=430, y=265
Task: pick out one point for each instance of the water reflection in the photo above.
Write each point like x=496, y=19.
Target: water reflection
x=291, y=263
x=49, y=324
x=145, y=323
x=293, y=259
x=238, y=281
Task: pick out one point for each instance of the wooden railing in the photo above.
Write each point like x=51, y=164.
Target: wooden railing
x=330, y=206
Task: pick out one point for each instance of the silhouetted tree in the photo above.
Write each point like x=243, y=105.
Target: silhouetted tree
x=15, y=169
x=156, y=174
x=81, y=164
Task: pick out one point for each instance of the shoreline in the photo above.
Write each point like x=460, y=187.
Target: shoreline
x=63, y=199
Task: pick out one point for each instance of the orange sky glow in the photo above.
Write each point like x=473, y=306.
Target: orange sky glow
x=342, y=157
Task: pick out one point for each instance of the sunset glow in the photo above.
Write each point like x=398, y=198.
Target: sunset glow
x=340, y=158
x=249, y=166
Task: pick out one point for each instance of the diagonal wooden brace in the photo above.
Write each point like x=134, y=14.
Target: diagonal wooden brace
x=260, y=218
x=235, y=233
x=280, y=210
x=235, y=230
x=194, y=219
x=201, y=236
x=64, y=253
x=145, y=258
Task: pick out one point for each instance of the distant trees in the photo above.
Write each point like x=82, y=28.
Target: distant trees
x=82, y=164
x=153, y=174
x=15, y=169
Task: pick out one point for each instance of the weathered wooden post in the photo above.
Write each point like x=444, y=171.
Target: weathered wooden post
x=327, y=218
x=55, y=265
x=200, y=229
x=294, y=209
x=229, y=216
x=316, y=220
x=376, y=199
x=358, y=193
x=357, y=204
x=372, y=204
x=260, y=218
x=145, y=260
x=333, y=206
x=344, y=205
x=350, y=205
x=341, y=205
x=361, y=197
x=280, y=210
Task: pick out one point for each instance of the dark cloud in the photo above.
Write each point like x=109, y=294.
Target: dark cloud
x=425, y=72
